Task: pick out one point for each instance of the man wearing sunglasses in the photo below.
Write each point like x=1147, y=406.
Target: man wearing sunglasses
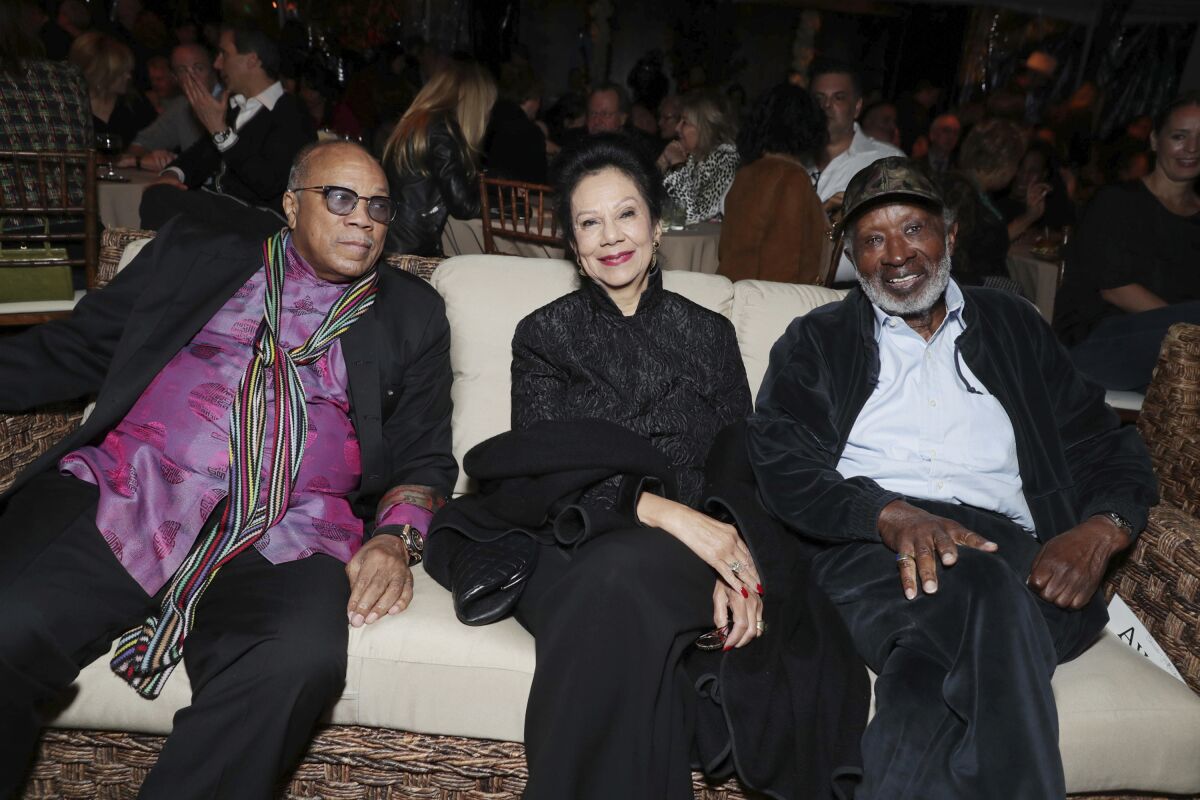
x=270, y=440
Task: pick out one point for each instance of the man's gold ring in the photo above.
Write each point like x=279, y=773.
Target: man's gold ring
x=900, y=557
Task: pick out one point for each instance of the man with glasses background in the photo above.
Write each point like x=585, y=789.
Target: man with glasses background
x=271, y=439
x=177, y=127
x=236, y=172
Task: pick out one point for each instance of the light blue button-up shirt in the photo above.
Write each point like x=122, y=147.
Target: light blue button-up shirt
x=930, y=429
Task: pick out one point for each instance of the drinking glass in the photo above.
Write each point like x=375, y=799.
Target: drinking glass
x=108, y=145
x=674, y=215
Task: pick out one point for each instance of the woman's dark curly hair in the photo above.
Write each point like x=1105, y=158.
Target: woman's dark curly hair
x=784, y=120
x=597, y=153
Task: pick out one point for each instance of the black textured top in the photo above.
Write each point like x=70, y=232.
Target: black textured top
x=671, y=372
x=1127, y=236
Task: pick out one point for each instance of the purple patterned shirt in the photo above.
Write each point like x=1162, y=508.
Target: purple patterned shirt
x=163, y=469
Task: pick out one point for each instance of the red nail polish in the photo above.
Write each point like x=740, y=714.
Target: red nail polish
x=727, y=648
x=744, y=592
x=759, y=587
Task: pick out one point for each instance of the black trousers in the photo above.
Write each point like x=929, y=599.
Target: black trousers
x=267, y=654
x=963, y=700
x=1122, y=351
x=610, y=713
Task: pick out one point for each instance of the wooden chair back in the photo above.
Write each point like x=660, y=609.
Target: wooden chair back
x=517, y=210
x=832, y=244
x=48, y=199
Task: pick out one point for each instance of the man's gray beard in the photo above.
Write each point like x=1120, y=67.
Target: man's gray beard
x=919, y=303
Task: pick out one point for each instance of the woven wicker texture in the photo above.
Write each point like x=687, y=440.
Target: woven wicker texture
x=1160, y=581
x=344, y=762
x=1170, y=419
x=112, y=244
x=24, y=437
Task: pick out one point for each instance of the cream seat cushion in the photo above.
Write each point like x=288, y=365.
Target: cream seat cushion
x=762, y=311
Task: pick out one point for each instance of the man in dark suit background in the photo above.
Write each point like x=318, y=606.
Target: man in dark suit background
x=235, y=174
x=123, y=520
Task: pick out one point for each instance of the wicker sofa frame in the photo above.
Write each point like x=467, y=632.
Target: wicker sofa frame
x=1159, y=579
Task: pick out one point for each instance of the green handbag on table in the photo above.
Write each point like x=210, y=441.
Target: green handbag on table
x=25, y=284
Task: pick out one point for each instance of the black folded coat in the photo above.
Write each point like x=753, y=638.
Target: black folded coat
x=787, y=711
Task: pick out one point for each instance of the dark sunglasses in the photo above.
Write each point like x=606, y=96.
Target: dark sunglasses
x=341, y=201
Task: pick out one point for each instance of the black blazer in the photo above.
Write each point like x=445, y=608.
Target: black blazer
x=397, y=357
x=256, y=167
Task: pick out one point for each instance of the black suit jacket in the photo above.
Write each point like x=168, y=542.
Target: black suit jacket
x=256, y=167
x=397, y=356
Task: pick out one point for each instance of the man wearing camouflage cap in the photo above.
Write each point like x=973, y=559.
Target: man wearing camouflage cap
x=969, y=489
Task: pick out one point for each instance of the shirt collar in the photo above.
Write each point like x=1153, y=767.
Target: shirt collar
x=268, y=97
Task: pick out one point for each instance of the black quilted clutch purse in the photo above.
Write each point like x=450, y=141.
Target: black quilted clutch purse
x=486, y=578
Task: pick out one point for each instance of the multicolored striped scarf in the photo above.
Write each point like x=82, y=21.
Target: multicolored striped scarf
x=148, y=654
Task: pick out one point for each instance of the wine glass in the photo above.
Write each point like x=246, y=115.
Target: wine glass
x=108, y=145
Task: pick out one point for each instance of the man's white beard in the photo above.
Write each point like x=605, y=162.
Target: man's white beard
x=919, y=303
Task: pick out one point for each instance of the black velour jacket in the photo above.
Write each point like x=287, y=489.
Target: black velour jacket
x=1075, y=460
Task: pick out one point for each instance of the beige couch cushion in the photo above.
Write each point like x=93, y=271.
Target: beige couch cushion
x=419, y=671
x=762, y=311
x=1126, y=724
x=486, y=296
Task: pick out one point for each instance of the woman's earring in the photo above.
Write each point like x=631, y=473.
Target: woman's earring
x=654, y=256
x=582, y=274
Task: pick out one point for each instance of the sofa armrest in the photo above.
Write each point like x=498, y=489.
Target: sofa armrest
x=1160, y=580
x=24, y=437
x=421, y=266
x=112, y=245
x=1170, y=418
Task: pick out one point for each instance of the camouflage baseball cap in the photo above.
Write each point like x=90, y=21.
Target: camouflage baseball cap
x=894, y=178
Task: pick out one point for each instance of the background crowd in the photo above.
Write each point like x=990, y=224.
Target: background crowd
x=220, y=112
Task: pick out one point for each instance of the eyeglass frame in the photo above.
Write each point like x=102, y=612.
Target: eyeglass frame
x=326, y=189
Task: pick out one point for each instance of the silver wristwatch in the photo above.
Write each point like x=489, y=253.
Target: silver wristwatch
x=221, y=137
x=1119, y=521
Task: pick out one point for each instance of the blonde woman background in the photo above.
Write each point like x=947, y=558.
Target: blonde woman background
x=701, y=163
x=107, y=67
x=432, y=157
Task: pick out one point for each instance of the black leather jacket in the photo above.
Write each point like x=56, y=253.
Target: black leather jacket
x=424, y=201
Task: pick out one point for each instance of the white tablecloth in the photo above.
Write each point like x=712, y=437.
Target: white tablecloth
x=119, y=201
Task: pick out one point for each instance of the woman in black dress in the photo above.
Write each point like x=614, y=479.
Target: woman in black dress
x=609, y=714
x=1133, y=269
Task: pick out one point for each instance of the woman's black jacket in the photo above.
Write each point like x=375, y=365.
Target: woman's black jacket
x=448, y=185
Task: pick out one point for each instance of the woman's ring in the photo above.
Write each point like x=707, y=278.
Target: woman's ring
x=762, y=627
x=735, y=567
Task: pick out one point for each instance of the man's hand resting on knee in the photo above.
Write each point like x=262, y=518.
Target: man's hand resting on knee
x=1068, y=569
x=380, y=581
x=919, y=539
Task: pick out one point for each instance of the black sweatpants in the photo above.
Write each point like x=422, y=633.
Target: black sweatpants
x=963, y=700
x=267, y=654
